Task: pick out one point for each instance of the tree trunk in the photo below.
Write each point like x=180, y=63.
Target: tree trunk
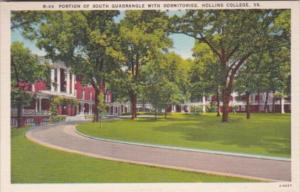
x=226, y=100
x=266, y=107
x=155, y=114
x=133, y=100
x=248, y=104
x=218, y=104
x=228, y=81
x=96, y=115
x=19, y=115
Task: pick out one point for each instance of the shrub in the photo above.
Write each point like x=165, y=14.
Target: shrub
x=196, y=109
x=212, y=108
x=57, y=118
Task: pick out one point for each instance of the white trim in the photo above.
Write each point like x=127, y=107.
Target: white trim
x=68, y=81
x=58, y=80
x=73, y=85
x=52, y=80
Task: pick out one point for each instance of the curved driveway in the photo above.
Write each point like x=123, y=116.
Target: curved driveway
x=64, y=137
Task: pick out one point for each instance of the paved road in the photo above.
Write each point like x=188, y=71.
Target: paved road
x=64, y=137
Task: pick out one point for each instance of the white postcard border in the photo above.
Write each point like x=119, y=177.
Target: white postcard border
x=6, y=7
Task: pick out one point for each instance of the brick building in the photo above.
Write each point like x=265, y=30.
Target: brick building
x=63, y=83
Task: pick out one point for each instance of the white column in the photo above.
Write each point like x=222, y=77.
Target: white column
x=203, y=104
x=82, y=107
x=58, y=79
x=282, y=105
x=68, y=82
x=33, y=87
x=36, y=105
x=52, y=79
x=233, y=99
x=40, y=105
x=73, y=84
x=128, y=108
x=90, y=109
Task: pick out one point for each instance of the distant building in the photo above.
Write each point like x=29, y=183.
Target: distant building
x=262, y=102
x=64, y=83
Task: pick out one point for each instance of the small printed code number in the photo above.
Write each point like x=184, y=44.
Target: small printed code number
x=285, y=185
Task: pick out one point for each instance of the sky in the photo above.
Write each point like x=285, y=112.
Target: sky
x=182, y=44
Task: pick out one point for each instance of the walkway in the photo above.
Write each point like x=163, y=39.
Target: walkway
x=64, y=137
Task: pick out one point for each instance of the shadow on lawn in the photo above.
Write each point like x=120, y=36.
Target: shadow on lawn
x=219, y=133
x=162, y=119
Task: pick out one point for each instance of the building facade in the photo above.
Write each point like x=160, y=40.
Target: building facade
x=258, y=102
x=65, y=84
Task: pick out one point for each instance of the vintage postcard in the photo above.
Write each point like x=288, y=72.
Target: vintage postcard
x=150, y=96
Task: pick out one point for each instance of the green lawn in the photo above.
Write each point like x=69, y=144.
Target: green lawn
x=32, y=163
x=263, y=134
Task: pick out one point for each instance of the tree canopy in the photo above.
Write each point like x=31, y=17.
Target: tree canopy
x=233, y=36
x=132, y=54
x=143, y=38
x=25, y=68
x=84, y=41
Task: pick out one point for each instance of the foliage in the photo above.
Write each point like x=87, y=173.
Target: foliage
x=196, y=109
x=25, y=65
x=20, y=97
x=233, y=49
x=166, y=81
x=60, y=100
x=57, y=118
x=53, y=109
x=143, y=38
x=83, y=40
x=25, y=68
x=102, y=107
x=233, y=36
x=25, y=20
x=204, y=73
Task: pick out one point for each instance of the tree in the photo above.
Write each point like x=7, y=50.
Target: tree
x=278, y=74
x=163, y=94
x=102, y=107
x=25, y=20
x=205, y=74
x=25, y=68
x=143, y=37
x=233, y=36
x=84, y=41
x=166, y=81
x=249, y=78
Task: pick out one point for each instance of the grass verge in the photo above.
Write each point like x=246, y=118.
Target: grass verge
x=263, y=134
x=32, y=163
